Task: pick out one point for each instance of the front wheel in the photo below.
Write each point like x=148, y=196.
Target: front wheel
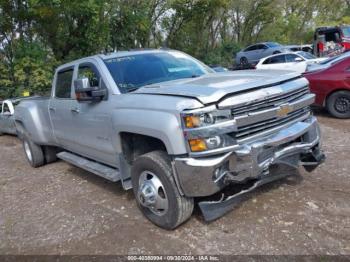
x=338, y=104
x=243, y=61
x=156, y=193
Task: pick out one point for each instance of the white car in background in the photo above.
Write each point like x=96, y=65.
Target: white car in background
x=293, y=61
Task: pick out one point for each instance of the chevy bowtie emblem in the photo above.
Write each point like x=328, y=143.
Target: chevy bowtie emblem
x=284, y=110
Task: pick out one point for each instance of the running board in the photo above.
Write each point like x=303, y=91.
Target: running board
x=107, y=172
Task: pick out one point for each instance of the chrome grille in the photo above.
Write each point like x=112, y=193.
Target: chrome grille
x=271, y=102
x=259, y=127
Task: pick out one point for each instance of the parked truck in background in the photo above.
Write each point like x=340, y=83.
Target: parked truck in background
x=172, y=129
x=7, y=120
x=331, y=40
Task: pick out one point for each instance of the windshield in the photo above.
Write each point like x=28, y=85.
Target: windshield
x=346, y=31
x=306, y=55
x=134, y=71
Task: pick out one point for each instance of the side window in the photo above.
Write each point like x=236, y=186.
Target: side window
x=267, y=61
x=291, y=58
x=277, y=59
x=64, y=84
x=6, y=108
x=90, y=72
x=261, y=47
x=250, y=48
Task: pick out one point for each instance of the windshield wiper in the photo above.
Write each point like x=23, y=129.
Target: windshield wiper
x=192, y=76
x=132, y=89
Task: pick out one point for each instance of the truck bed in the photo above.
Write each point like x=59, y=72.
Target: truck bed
x=33, y=114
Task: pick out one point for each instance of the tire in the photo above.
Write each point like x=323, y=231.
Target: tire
x=155, y=167
x=34, y=153
x=243, y=61
x=338, y=104
x=50, y=153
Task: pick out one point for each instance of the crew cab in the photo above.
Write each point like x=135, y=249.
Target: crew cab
x=170, y=128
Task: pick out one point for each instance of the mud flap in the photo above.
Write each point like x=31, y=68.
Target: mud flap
x=213, y=210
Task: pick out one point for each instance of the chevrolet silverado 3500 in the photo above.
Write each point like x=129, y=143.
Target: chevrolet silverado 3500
x=170, y=128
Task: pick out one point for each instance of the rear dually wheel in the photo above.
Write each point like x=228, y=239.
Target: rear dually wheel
x=34, y=153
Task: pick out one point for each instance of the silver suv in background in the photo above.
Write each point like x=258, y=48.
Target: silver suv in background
x=253, y=53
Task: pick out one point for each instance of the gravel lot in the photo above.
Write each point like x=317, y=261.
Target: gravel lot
x=61, y=209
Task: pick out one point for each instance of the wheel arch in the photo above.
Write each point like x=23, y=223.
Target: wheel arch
x=134, y=145
x=20, y=128
x=331, y=93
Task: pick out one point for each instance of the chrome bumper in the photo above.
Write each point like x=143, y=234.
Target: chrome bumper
x=298, y=144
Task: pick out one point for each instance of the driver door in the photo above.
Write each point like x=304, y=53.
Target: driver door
x=295, y=63
x=261, y=51
x=91, y=125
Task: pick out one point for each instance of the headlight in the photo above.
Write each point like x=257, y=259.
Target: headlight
x=192, y=121
x=205, y=117
x=205, y=124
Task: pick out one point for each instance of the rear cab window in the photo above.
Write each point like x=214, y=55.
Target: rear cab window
x=64, y=83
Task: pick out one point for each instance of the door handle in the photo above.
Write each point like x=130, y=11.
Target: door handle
x=52, y=109
x=75, y=110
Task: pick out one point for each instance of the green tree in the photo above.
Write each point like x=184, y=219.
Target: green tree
x=70, y=28
x=37, y=35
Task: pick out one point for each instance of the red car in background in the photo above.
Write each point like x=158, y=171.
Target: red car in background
x=331, y=84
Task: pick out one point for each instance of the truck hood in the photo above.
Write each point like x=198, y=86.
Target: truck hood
x=212, y=87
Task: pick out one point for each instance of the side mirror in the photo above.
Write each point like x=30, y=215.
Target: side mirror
x=85, y=93
x=81, y=84
x=298, y=59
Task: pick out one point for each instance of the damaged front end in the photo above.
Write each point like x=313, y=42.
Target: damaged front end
x=295, y=145
x=264, y=139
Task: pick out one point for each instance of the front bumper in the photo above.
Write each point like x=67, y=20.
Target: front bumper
x=297, y=144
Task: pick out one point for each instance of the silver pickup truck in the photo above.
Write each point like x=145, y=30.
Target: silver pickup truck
x=170, y=128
